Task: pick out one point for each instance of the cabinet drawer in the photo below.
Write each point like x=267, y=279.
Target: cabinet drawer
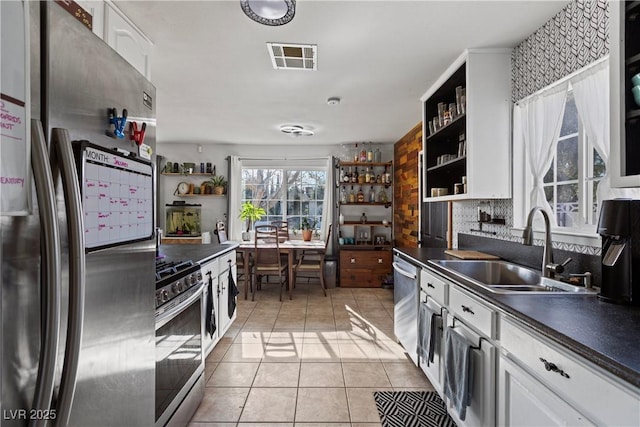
x=362, y=278
x=366, y=259
x=472, y=311
x=433, y=286
x=593, y=393
x=223, y=260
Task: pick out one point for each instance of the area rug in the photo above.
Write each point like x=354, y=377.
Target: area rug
x=412, y=409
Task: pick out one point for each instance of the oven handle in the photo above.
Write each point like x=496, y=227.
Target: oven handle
x=165, y=317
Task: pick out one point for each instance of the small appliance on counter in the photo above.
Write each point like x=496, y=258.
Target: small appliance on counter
x=619, y=226
x=183, y=219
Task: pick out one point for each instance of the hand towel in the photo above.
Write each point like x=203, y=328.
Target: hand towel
x=458, y=371
x=233, y=293
x=210, y=313
x=427, y=332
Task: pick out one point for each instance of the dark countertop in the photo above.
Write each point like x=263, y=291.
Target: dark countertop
x=603, y=333
x=196, y=253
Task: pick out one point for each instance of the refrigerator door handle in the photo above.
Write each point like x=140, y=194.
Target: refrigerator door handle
x=73, y=204
x=51, y=277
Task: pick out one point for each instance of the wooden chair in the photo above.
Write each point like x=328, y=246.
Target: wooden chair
x=267, y=260
x=312, y=261
x=283, y=230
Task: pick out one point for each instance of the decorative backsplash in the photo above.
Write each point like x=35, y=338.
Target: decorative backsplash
x=574, y=38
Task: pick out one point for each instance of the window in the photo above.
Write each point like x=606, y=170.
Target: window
x=571, y=182
x=286, y=194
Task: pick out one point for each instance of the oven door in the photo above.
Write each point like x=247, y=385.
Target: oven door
x=179, y=354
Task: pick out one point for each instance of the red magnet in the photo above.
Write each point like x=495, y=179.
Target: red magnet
x=138, y=135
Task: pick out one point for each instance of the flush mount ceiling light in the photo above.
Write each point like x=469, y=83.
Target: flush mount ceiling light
x=289, y=56
x=296, y=130
x=269, y=12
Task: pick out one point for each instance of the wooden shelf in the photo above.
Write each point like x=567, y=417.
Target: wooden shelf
x=385, y=204
x=365, y=246
x=201, y=195
x=381, y=164
x=186, y=174
x=368, y=223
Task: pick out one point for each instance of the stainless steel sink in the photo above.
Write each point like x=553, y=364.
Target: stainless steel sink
x=505, y=277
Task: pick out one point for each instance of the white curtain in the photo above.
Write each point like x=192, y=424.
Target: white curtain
x=591, y=93
x=234, y=228
x=537, y=122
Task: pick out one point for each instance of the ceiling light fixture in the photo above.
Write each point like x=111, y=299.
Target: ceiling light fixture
x=269, y=12
x=334, y=100
x=296, y=130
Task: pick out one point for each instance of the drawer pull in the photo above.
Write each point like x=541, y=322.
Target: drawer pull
x=379, y=260
x=550, y=366
x=429, y=285
x=467, y=309
x=353, y=260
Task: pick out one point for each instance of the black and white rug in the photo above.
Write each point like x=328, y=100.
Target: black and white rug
x=412, y=409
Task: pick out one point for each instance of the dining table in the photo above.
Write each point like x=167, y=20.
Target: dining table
x=288, y=247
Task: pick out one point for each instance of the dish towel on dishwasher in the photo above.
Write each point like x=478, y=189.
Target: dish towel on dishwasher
x=458, y=370
x=427, y=330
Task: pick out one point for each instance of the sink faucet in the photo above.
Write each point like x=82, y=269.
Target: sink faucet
x=549, y=268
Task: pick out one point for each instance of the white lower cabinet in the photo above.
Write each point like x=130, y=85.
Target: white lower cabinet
x=525, y=401
x=216, y=272
x=433, y=370
x=540, y=377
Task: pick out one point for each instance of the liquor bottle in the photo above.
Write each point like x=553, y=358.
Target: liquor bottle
x=343, y=195
x=363, y=154
x=372, y=195
x=354, y=177
x=377, y=156
x=356, y=154
x=360, y=196
x=347, y=176
x=363, y=218
x=342, y=175
x=369, y=154
x=367, y=176
x=352, y=196
x=387, y=176
x=382, y=196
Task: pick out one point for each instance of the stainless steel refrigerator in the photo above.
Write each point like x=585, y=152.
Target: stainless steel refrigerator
x=78, y=329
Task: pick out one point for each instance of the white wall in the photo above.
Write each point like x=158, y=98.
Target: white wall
x=214, y=208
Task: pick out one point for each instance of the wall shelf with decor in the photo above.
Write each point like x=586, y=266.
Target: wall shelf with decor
x=364, y=196
x=624, y=68
x=466, y=129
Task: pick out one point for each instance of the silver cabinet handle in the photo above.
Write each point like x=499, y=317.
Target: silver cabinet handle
x=50, y=233
x=73, y=204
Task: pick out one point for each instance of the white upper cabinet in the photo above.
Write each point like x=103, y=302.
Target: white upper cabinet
x=625, y=110
x=467, y=153
x=126, y=39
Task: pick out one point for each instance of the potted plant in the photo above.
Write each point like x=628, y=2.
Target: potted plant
x=307, y=226
x=218, y=183
x=250, y=213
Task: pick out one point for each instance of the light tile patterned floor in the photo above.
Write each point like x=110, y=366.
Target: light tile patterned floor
x=312, y=361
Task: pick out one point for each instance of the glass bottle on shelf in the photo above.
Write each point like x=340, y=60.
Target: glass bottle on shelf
x=382, y=196
x=354, y=176
x=372, y=195
x=363, y=154
x=352, y=196
x=369, y=154
x=367, y=176
x=377, y=156
x=360, y=196
x=386, y=178
x=342, y=175
x=343, y=195
x=356, y=154
x=363, y=218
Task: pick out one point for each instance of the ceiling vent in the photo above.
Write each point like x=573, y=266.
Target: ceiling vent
x=293, y=56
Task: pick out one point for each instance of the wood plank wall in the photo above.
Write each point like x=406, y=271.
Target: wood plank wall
x=405, y=188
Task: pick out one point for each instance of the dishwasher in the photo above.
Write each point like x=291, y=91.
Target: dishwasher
x=405, y=304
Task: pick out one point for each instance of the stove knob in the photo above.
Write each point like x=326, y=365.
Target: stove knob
x=164, y=295
x=199, y=276
x=176, y=287
x=192, y=279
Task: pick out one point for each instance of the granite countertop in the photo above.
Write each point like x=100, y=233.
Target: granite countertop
x=603, y=333
x=196, y=253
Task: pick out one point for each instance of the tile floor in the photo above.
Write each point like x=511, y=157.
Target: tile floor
x=312, y=361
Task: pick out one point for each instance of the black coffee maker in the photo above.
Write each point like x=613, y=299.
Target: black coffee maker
x=619, y=227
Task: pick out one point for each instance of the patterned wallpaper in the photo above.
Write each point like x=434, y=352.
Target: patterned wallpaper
x=575, y=37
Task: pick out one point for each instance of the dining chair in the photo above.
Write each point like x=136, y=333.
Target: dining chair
x=312, y=261
x=283, y=230
x=267, y=260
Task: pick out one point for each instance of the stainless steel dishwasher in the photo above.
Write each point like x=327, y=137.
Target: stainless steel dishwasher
x=405, y=304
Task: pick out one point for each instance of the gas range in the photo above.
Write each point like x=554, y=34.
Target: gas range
x=174, y=280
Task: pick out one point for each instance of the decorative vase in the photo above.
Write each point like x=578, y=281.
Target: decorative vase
x=218, y=190
x=306, y=235
x=246, y=236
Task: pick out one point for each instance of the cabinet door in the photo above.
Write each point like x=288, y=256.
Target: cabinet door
x=223, y=297
x=432, y=369
x=95, y=8
x=434, y=225
x=524, y=401
x=127, y=40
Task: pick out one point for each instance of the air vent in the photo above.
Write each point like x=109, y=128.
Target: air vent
x=293, y=56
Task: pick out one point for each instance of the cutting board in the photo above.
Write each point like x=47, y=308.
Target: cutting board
x=469, y=254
